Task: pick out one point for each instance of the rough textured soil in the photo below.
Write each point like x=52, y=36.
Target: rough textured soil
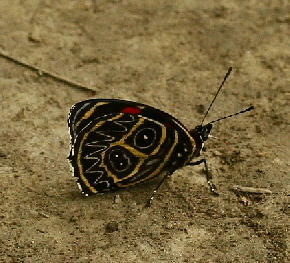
x=171, y=55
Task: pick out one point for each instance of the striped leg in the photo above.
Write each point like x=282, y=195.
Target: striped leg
x=212, y=187
x=149, y=202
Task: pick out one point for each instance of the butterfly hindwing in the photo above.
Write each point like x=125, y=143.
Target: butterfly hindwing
x=116, y=144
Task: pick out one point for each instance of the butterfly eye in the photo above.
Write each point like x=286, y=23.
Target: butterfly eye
x=145, y=137
x=119, y=160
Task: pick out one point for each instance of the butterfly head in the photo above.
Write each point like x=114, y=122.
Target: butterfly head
x=200, y=134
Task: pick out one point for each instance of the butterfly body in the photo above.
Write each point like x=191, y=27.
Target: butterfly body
x=116, y=144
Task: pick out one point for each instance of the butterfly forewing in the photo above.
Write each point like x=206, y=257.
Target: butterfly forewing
x=116, y=144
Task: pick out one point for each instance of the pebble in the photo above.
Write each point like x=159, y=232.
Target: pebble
x=112, y=227
x=117, y=199
x=34, y=35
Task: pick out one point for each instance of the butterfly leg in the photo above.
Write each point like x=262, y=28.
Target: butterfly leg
x=212, y=187
x=149, y=202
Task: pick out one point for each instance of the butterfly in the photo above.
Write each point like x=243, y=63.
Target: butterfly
x=116, y=144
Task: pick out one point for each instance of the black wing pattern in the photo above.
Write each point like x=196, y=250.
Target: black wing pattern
x=117, y=144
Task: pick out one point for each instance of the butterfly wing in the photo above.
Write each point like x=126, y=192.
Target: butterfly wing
x=116, y=144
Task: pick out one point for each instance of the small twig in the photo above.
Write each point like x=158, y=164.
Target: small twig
x=43, y=214
x=43, y=72
x=252, y=190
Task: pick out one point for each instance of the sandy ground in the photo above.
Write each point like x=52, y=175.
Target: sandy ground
x=171, y=55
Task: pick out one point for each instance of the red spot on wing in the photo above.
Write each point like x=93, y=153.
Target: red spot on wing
x=168, y=125
x=131, y=110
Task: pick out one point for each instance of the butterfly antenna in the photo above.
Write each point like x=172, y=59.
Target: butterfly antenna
x=225, y=78
x=229, y=116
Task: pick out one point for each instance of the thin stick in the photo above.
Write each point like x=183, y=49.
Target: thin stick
x=46, y=73
x=251, y=190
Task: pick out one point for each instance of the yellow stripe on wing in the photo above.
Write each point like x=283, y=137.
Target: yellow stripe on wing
x=79, y=164
x=142, y=156
x=89, y=113
x=160, y=167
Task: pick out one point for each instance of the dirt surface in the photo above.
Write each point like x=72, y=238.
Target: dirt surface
x=171, y=55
